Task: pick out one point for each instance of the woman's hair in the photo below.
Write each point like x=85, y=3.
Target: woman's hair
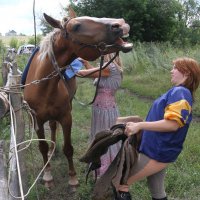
x=117, y=61
x=191, y=68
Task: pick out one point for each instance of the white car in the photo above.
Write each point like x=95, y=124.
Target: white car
x=26, y=49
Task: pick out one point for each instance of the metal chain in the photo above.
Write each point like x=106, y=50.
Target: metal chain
x=48, y=77
x=11, y=88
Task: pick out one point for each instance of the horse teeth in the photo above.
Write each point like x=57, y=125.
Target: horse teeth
x=125, y=36
x=128, y=45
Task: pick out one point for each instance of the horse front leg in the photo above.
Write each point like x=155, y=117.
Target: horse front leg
x=44, y=148
x=68, y=150
x=53, y=127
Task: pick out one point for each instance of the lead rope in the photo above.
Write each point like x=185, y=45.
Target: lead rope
x=97, y=86
x=99, y=77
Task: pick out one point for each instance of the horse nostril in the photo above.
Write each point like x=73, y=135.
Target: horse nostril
x=115, y=27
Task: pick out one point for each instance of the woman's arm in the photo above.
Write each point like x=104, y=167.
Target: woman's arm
x=86, y=64
x=85, y=72
x=125, y=120
x=89, y=69
x=159, y=126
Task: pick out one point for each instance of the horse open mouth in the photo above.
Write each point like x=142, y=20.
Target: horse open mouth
x=123, y=45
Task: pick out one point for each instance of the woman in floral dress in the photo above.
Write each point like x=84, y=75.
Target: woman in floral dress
x=104, y=109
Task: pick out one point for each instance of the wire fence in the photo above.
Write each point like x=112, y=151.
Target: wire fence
x=13, y=174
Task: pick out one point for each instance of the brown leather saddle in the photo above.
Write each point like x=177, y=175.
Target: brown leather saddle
x=119, y=169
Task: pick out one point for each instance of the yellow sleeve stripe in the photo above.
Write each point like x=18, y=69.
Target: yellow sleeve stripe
x=174, y=111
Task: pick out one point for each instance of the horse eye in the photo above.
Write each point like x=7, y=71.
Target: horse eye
x=76, y=27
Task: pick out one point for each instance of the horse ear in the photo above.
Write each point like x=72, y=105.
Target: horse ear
x=71, y=12
x=53, y=22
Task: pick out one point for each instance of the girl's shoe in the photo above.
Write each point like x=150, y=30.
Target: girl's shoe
x=123, y=196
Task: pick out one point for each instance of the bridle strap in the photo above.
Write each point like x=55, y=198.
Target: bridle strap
x=101, y=66
x=97, y=86
x=57, y=68
x=100, y=70
x=99, y=77
x=102, y=46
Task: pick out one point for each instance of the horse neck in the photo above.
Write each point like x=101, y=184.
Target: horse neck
x=62, y=49
x=59, y=55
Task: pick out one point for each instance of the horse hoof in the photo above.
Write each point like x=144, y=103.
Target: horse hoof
x=73, y=181
x=49, y=184
x=47, y=177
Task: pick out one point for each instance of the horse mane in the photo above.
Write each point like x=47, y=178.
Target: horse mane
x=45, y=44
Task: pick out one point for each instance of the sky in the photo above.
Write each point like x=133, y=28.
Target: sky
x=17, y=15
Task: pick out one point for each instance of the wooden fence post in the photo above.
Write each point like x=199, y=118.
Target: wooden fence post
x=16, y=102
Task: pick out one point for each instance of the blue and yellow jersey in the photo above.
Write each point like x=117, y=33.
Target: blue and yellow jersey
x=176, y=104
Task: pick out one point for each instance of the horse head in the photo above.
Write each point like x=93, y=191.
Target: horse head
x=96, y=36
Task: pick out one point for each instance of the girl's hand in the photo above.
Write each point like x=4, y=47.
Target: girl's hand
x=132, y=128
x=85, y=62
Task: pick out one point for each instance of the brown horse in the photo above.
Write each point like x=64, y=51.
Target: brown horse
x=51, y=98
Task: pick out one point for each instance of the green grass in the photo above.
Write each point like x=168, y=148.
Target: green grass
x=182, y=180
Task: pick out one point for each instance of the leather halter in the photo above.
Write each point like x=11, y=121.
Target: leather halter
x=57, y=68
x=101, y=46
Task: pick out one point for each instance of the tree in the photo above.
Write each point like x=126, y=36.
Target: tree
x=188, y=23
x=131, y=10
x=45, y=27
x=160, y=20
x=150, y=20
x=191, y=11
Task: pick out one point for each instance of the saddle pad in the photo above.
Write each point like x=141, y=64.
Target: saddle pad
x=25, y=72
